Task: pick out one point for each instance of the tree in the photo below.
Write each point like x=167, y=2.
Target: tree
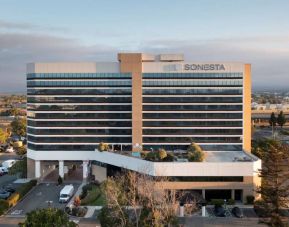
x=18, y=126
x=3, y=136
x=162, y=153
x=14, y=111
x=272, y=120
x=50, y=217
x=20, y=167
x=103, y=146
x=137, y=200
x=274, y=174
x=281, y=119
x=195, y=153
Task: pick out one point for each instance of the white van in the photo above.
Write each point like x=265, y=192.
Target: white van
x=8, y=163
x=3, y=170
x=66, y=193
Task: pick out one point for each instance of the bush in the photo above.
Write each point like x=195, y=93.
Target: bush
x=3, y=206
x=195, y=153
x=250, y=199
x=217, y=202
x=91, y=196
x=21, y=150
x=78, y=211
x=13, y=199
x=169, y=158
x=261, y=208
x=151, y=156
x=106, y=219
x=162, y=154
x=85, y=188
x=25, y=188
x=231, y=202
x=103, y=147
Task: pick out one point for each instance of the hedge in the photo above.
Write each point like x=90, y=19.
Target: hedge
x=3, y=206
x=25, y=188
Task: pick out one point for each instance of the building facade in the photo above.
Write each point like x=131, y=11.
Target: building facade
x=141, y=102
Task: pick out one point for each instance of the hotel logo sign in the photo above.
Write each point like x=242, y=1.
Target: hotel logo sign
x=204, y=67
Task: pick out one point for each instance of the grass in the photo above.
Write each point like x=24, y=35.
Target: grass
x=94, y=197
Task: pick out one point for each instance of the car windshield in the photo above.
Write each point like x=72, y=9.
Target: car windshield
x=63, y=196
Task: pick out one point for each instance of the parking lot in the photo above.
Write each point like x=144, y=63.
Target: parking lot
x=40, y=197
x=6, y=179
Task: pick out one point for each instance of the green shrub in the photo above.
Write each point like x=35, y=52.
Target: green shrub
x=162, y=153
x=217, y=202
x=195, y=153
x=107, y=219
x=103, y=147
x=91, y=196
x=261, y=208
x=250, y=199
x=169, y=158
x=231, y=202
x=85, y=188
x=3, y=206
x=151, y=156
x=25, y=188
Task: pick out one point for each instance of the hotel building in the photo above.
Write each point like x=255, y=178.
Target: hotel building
x=144, y=102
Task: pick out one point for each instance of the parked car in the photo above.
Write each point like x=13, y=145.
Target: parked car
x=3, y=170
x=8, y=163
x=4, y=194
x=219, y=211
x=9, y=150
x=66, y=193
x=9, y=188
x=237, y=212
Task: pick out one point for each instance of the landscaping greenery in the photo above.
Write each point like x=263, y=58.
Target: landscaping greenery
x=50, y=217
x=137, y=200
x=159, y=156
x=3, y=206
x=3, y=136
x=25, y=188
x=195, y=153
x=103, y=146
x=20, y=167
x=281, y=120
x=274, y=174
x=18, y=126
x=92, y=195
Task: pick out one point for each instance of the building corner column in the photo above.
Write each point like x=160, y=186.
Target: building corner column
x=37, y=169
x=61, y=169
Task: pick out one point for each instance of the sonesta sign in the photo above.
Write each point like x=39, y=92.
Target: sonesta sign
x=205, y=67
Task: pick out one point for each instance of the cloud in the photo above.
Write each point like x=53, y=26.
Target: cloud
x=268, y=55
x=27, y=27
x=16, y=50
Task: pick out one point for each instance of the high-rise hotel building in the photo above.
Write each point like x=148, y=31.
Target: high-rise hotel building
x=143, y=102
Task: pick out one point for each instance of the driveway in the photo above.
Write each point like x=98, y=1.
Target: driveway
x=39, y=198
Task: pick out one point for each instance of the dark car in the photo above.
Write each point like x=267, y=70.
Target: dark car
x=237, y=212
x=8, y=188
x=219, y=211
x=4, y=194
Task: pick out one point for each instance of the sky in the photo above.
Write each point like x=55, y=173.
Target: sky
x=249, y=31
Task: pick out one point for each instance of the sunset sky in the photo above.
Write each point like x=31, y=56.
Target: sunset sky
x=249, y=31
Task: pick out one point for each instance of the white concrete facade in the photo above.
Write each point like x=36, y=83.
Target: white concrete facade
x=249, y=168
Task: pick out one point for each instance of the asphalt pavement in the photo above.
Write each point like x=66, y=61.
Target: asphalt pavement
x=40, y=197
